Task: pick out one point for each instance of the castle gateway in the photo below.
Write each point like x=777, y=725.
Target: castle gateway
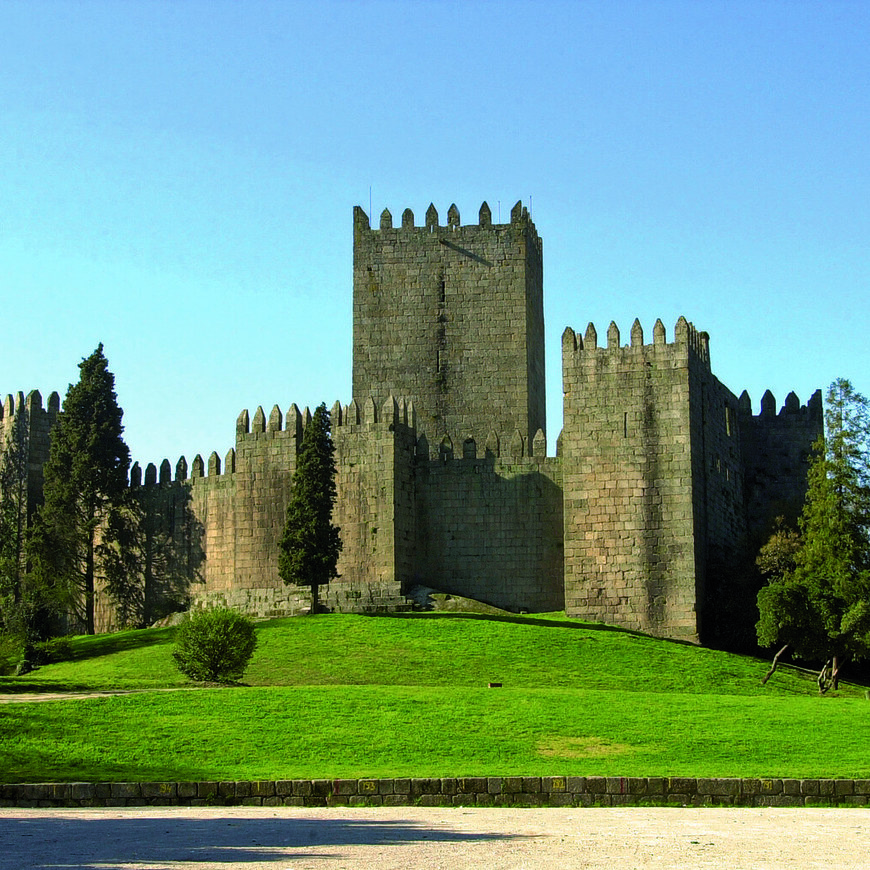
x=662, y=485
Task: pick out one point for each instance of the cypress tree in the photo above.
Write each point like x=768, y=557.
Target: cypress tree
x=310, y=545
x=85, y=483
x=13, y=523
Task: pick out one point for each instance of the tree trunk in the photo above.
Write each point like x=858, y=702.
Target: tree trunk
x=315, y=599
x=823, y=678
x=773, y=665
x=835, y=673
x=89, y=587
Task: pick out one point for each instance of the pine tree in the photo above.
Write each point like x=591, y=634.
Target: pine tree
x=821, y=606
x=84, y=490
x=310, y=545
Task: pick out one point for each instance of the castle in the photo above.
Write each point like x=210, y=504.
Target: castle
x=662, y=484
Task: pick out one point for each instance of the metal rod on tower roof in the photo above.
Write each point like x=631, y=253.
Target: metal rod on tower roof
x=499, y=211
x=370, y=203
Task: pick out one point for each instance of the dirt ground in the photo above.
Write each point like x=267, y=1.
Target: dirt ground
x=436, y=839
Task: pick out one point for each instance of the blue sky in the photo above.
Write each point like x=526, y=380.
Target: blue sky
x=177, y=181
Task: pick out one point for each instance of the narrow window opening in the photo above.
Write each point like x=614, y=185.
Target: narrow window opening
x=625, y=425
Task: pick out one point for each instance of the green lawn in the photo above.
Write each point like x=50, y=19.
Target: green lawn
x=350, y=696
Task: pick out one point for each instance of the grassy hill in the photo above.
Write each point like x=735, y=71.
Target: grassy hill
x=347, y=696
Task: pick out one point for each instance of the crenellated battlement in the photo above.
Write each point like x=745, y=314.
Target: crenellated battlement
x=519, y=218
x=277, y=426
x=359, y=414
x=356, y=413
x=511, y=447
x=791, y=410
x=32, y=403
x=686, y=336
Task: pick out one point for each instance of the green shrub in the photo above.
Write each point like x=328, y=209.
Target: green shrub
x=214, y=645
x=51, y=651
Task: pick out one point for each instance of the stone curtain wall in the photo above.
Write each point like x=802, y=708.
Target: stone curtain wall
x=452, y=317
x=491, y=529
x=717, y=490
x=479, y=791
x=776, y=450
x=213, y=535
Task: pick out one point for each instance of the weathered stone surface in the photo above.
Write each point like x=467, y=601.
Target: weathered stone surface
x=682, y=785
x=719, y=786
x=159, y=790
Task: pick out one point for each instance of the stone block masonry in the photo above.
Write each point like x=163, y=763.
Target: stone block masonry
x=491, y=529
x=654, y=483
x=662, y=486
x=453, y=317
x=25, y=427
x=775, y=451
x=479, y=791
x=629, y=485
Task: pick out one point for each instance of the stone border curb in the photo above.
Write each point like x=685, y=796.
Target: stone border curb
x=492, y=791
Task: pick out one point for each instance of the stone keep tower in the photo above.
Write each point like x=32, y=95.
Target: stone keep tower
x=452, y=318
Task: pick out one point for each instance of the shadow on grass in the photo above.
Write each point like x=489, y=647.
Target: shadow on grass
x=85, y=647
x=519, y=620
x=21, y=686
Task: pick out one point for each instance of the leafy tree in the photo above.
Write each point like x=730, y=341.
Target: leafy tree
x=310, y=545
x=77, y=527
x=777, y=557
x=820, y=604
x=214, y=645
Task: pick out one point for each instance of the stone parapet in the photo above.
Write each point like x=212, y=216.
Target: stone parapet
x=502, y=791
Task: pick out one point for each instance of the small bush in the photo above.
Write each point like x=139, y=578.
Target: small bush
x=55, y=649
x=214, y=645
